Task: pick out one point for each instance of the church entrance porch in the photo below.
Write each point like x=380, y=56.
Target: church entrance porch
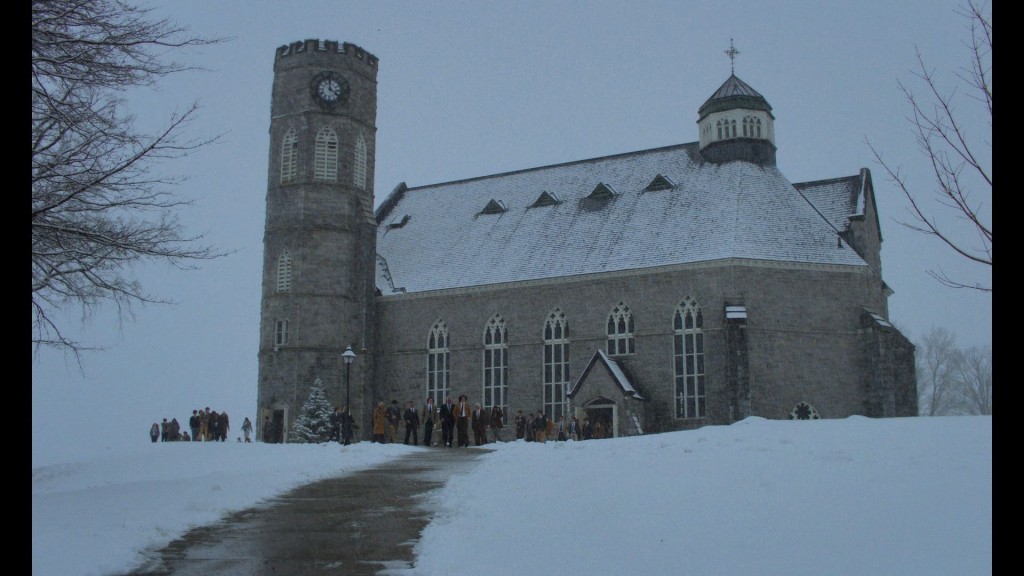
x=601, y=415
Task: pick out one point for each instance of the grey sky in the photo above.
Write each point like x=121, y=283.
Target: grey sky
x=474, y=88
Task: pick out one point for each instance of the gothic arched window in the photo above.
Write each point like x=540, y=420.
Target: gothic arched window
x=688, y=356
x=325, y=158
x=289, y=156
x=359, y=168
x=556, y=363
x=495, y=364
x=284, y=272
x=438, y=356
x=620, y=331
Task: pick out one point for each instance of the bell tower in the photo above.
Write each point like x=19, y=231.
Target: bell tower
x=319, y=240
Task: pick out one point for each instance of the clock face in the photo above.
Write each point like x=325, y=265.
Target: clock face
x=329, y=90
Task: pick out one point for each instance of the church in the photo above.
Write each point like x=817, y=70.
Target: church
x=657, y=290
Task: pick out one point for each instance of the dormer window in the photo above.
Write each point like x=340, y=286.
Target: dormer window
x=494, y=207
x=659, y=183
x=545, y=199
x=602, y=192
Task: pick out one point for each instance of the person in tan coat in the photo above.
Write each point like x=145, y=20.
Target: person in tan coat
x=380, y=421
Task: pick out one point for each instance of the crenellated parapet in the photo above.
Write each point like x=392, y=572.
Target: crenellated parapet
x=313, y=46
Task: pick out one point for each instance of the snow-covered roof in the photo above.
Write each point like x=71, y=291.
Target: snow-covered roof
x=657, y=207
x=617, y=375
x=838, y=199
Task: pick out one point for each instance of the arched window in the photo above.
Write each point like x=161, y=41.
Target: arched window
x=732, y=123
x=719, y=124
x=438, y=356
x=289, y=156
x=280, y=332
x=495, y=364
x=325, y=158
x=620, y=331
x=752, y=127
x=359, y=168
x=284, y=272
x=688, y=355
x=556, y=363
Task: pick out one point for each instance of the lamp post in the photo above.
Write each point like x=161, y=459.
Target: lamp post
x=346, y=426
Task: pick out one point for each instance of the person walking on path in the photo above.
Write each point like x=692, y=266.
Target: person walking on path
x=268, y=430
x=520, y=422
x=394, y=419
x=204, y=424
x=497, y=422
x=412, y=423
x=247, y=428
x=335, y=421
x=380, y=422
x=462, y=414
x=447, y=414
x=479, y=423
x=574, y=428
x=193, y=425
x=428, y=418
x=222, y=426
x=540, y=427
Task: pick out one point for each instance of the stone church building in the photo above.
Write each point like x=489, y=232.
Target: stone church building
x=657, y=290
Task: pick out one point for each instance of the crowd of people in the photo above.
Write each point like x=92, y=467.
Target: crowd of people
x=451, y=424
x=203, y=426
x=446, y=425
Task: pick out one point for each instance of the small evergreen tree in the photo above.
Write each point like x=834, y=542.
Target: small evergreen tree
x=313, y=425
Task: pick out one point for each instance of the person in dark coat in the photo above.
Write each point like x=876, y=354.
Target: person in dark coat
x=193, y=425
x=428, y=417
x=520, y=425
x=335, y=421
x=462, y=415
x=479, y=423
x=447, y=415
x=411, y=417
x=222, y=426
x=154, y=432
x=497, y=422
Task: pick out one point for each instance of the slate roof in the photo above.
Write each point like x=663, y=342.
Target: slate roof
x=714, y=211
x=838, y=199
x=733, y=93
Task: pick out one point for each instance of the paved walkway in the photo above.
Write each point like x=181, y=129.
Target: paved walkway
x=360, y=524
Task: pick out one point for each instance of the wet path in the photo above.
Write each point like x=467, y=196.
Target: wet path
x=360, y=524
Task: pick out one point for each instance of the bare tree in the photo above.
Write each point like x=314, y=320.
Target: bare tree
x=960, y=165
x=98, y=205
x=938, y=363
x=975, y=376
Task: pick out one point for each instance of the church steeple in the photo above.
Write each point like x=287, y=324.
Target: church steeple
x=736, y=122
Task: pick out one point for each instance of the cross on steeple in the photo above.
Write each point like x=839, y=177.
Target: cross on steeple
x=731, y=53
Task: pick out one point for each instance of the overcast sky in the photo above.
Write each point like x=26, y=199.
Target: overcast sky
x=475, y=88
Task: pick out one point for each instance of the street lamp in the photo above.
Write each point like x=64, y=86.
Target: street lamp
x=346, y=426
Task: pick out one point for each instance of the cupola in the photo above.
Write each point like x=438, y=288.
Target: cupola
x=736, y=123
